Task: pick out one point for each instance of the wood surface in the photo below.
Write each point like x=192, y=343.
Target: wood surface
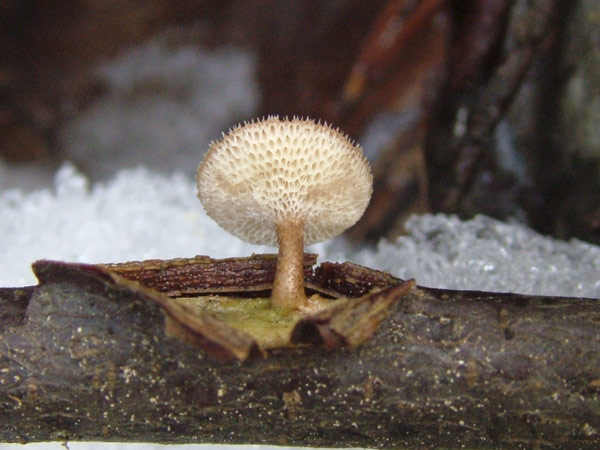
x=84, y=356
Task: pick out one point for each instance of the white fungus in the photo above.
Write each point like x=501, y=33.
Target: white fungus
x=285, y=182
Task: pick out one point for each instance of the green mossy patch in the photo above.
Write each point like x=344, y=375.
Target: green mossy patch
x=270, y=327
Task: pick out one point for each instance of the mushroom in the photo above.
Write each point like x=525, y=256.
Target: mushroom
x=285, y=182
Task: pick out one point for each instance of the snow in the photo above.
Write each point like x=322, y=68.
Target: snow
x=137, y=215
x=141, y=214
x=486, y=254
x=163, y=106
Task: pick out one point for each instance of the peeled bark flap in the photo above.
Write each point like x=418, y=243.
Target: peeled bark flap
x=446, y=369
x=349, y=322
x=200, y=275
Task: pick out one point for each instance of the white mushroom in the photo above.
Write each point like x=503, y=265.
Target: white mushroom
x=285, y=182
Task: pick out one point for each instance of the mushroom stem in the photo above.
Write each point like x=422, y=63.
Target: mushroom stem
x=288, y=286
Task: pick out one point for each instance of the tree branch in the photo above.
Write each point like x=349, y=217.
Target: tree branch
x=86, y=357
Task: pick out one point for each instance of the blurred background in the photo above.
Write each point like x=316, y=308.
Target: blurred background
x=464, y=107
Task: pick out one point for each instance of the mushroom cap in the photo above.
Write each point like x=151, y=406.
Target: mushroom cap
x=267, y=171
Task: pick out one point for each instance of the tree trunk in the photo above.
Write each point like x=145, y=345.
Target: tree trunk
x=85, y=357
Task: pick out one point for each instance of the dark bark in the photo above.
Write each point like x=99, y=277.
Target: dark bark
x=459, y=150
x=87, y=358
